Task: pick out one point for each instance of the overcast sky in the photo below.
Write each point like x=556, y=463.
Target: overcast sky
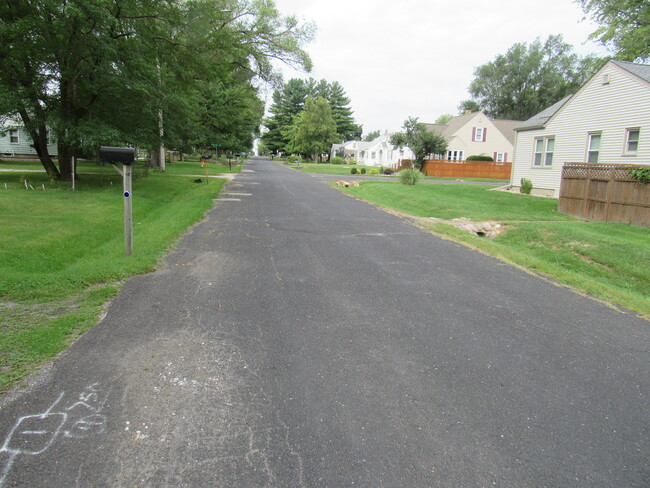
x=404, y=58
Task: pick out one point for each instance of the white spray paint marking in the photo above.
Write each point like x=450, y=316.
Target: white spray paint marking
x=34, y=434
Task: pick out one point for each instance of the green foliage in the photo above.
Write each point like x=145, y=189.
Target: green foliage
x=315, y=128
x=371, y=136
x=388, y=171
x=289, y=102
x=101, y=72
x=479, y=158
x=409, y=176
x=468, y=106
x=443, y=119
x=529, y=78
x=336, y=160
x=363, y=171
x=353, y=171
x=419, y=140
x=351, y=161
x=373, y=171
x=526, y=186
x=624, y=26
x=642, y=175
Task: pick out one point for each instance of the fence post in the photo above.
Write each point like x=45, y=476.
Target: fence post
x=586, y=194
x=608, y=197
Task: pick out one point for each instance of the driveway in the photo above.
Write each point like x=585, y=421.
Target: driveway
x=299, y=337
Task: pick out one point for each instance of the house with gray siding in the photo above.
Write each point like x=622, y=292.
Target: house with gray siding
x=15, y=141
x=606, y=121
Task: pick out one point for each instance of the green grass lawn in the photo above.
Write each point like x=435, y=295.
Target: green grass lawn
x=192, y=167
x=62, y=254
x=606, y=260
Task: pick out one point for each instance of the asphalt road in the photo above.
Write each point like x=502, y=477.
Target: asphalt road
x=299, y=337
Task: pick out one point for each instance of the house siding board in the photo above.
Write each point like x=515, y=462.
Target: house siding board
x=609, y=109
x=24, y=146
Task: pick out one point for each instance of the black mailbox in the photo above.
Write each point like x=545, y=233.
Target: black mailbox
x=124, y=155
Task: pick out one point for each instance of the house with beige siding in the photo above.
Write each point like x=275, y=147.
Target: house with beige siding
x=15, y=141
x=606, y=121
x=475, y=134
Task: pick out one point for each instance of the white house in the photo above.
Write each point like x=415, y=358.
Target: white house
x=378, y=152
x=475, y=134
x=16, y=141
x=606, y=121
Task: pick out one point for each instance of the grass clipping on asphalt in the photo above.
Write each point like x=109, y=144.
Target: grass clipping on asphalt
x=62, y=254
x=605, y=260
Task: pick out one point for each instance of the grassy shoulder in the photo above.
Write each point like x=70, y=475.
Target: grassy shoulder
x=602, y=259
x=62, y=254
x=190, y=167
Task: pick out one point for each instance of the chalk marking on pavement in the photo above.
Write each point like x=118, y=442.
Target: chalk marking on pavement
x=34, y=434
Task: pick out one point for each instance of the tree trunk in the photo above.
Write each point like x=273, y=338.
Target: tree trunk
x=66, y=152
x=39, y=143
x=156, y=158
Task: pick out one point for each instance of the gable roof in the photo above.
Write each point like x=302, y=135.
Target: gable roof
x=537, y=121
x=640, y=70
x=506, y=127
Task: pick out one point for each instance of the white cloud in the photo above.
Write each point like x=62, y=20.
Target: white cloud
x=416, y=57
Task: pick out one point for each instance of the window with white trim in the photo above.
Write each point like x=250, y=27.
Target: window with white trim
x=593, y=147
x=14, y=136
x=543, y=154
x=454, y=155
x=478, y=134
x=500, y=157
x=632, y=141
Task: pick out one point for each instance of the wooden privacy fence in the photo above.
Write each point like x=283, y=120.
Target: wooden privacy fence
x=462, y=169
x=604, y=192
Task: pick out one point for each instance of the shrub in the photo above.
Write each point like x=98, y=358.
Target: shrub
x=642, y=175
x=373, y=171
x=480, y=158
x=388, y=171
x=336, y=160
x=351, y=161
x=353, y=171
x=526, y=186
x=363, y=171
x=409, y=176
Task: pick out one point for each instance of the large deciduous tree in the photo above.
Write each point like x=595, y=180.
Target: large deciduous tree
x=419, y=140
x=315, y=128
x=142, y=72
x=624, y=26
x=528, y=78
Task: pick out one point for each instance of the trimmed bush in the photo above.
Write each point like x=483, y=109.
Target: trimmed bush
x=409, y=176
x=353, y=171
x=388, y=171
x=480, y=158
x=373, y=171
x=363, y=171
x=526, y=186
x=336, y=160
